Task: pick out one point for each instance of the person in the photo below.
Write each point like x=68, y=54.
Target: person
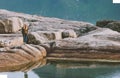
x=25, y=33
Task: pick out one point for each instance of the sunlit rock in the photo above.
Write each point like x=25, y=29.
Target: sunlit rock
x=10, y=25
x=56, y=38
x=20, y=57
x=101, y=39
x=8, y=40
x=42, y=49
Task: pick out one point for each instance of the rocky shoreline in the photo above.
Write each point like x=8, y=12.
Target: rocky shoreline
x=56, y=39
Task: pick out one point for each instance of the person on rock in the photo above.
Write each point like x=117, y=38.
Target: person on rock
x=25, y=33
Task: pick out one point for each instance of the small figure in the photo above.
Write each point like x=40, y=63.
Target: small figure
x=25, y=33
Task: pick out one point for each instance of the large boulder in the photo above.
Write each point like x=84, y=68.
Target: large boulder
x=21, y=58
x=99, y=44
x=99, y=40
x=10, y=25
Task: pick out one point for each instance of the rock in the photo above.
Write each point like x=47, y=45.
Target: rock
x=10, y=25
x=101, y=45
x=60, y=38
x=39, y=23
x=40, y=48
x=51, y=35
x=2, y=49
x=2, y=27
x=48, y=46
x=46, y=36
x=21, y=57
x=40, y=37
x=98, y=40
x=32, y=51
x=103, y=23
x=114, y=26
x=25, y=17
x=13, y=23
x=9, y=40
x=84, y=30
x=35, y=38
x=79, y=27
x=69, y=33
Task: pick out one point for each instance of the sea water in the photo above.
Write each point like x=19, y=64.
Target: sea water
x=80, y=10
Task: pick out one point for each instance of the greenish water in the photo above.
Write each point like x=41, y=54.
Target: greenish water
x=51, y=71
x=81, y=10
x=69, y=71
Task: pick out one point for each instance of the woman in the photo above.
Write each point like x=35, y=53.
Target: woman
x=25, y=33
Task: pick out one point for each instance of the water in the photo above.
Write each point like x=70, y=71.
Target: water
x=69, y=70
x=52, y=71
x=81, y=10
